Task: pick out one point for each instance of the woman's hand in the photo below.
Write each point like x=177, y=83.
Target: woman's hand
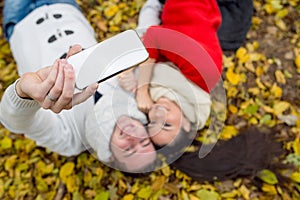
x=53, y=87
x=143, y=99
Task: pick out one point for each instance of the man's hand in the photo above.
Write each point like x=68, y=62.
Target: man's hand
x=53, y=87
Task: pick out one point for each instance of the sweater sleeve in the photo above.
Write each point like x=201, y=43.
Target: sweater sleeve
x=149, y=16
x=61, y=133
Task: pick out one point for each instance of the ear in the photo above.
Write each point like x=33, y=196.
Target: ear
x=186, y=124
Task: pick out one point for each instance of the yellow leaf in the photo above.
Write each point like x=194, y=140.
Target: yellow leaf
x=233, y=109
x=269, y=188
x=268, y=109
x=242, y=55
x=296, y=146
x=208, y=195
x=276, y=91
x=253, y=120
x=114, y=29
x=184, y=195
x=135, y=187
x=145, y=192
x=250, y=66
x=295, y=177
x=158, y=183
x=245, y=192
x=254, y=91
x=66, y=170
x=99, y=173
x=267, y=176
x=228, y=132
x=128, y=197
x=122, y=184
x=297, y=62
x=6, y=143
x=87, y=177
x=232, y=77
x=256, y=21
x=232, y=92
x=41, y=184
x=193, y=197
x=282, y=13
x=280, y=107
x=280, y=24
x=259, y=71
x=232, y=194
x=269, y=8
x=111, y=11
x=1, y=188
x=166, y=170
x=10, y=162
x=71, y=184
x=280, y=77
x=260, y=84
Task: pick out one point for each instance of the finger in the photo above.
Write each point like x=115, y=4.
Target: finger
x=85, y=94
x=44, y=72
x=44, y=86
x=55, y=92
x=67, y=90
x=74, y=49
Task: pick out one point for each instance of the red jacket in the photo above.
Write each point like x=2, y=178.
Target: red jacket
x=188, y=38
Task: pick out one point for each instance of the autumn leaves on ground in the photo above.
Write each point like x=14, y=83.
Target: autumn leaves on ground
x=262, y=82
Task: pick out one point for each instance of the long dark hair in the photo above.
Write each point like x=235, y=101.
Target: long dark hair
x=241, y=156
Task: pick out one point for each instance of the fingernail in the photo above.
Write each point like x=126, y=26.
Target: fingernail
x=64, y=61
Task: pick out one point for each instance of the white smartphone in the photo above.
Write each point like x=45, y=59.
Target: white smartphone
x=108, y=58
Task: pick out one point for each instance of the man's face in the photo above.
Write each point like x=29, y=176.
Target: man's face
x=131, y=145
x=166, y=119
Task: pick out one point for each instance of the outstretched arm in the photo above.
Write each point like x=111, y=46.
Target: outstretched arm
x=21, y=109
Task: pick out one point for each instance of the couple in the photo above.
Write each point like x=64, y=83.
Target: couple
x=38, y=34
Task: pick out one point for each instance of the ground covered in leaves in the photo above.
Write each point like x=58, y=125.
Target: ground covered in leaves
x=262, y=82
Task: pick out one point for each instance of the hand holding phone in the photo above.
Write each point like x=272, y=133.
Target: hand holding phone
x=108, y=58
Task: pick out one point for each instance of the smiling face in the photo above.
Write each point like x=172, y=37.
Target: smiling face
x=166, y=120
x=131, y=145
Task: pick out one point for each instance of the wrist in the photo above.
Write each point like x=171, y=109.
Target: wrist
x=143, y=89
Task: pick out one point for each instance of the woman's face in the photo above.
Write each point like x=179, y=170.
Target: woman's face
x=131, y=145
x=166, y=120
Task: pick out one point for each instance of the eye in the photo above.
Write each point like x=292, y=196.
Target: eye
x=167, y=125
x=145, y=142
x=129, y=152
